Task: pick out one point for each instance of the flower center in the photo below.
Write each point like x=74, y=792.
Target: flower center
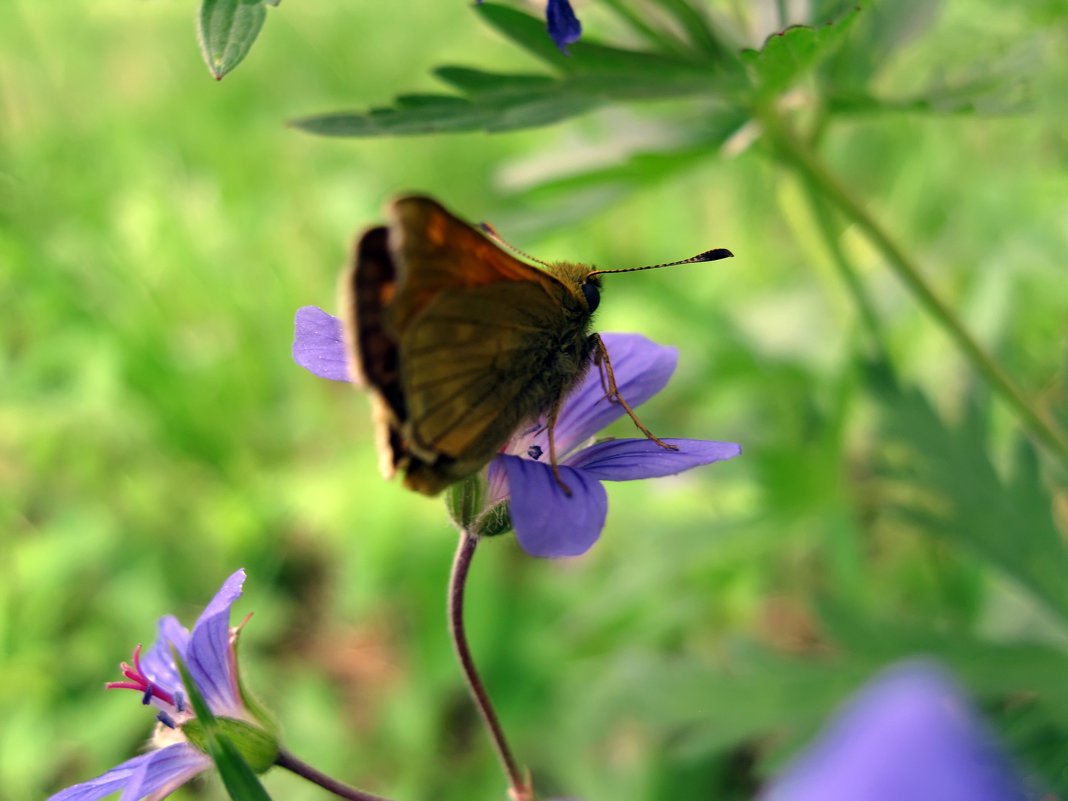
x=137, y=680
x=523, y=443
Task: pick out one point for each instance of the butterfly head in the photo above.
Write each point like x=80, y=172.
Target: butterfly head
x=582, y=278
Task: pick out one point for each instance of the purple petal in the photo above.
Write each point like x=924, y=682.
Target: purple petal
x=158, y=663
x=909, y=735
x=164, y=769
x=564, y=27
x=547, y=522
x=211, y=657
x=629, y=459
x=318, y=346
x=497, y=482
x=641, y=367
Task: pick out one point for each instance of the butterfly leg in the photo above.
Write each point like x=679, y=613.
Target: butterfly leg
x=608, y=381
x=552, y=448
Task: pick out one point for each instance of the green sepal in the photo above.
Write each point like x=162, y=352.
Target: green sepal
x=494, y=521
x=259, y=748
x=465, y=501
x=255, y=708
x=238, y=776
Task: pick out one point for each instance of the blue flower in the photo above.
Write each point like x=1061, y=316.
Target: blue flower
x=547, y=521
x=318, y=346
x=563, y=26
x=910, y=734
x=209, y=654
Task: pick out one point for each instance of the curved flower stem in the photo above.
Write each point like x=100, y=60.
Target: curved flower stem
x=289, y=762
x=799, y=156
x=519, y=787
x=869, y=318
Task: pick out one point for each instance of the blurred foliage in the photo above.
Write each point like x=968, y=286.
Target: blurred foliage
x=158, y=229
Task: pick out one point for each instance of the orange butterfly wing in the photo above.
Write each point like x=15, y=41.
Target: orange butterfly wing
x=460, y=341
x=434, y=251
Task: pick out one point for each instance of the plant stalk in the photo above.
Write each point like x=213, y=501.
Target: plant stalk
x=519, y=786
x=304, y=770
x=812, y=169
x=868, y=316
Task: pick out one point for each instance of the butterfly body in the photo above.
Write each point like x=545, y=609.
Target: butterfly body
x=459, y=342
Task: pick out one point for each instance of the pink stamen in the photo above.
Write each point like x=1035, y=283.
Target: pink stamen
x=139, y=681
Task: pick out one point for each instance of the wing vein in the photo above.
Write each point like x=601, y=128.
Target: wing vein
x=471, y=409
x=445, y=379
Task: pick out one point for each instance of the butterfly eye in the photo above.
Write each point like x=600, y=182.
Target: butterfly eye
x=593, y=296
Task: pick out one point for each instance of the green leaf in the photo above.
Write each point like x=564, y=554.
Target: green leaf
x=1022, y=684
x=238, y=777
x=753, y=694
x=994, y=96
x=986, y=667
x=706, y=709
x=616, y=64
x=227, y=29
x=997, y=84
x=479, y=82
x=697, y=27
x=499, y=102
x=787, y=56
x=593, y=76
x=882, y=29
x=958, y=494
x=573, y=194
x=489, y=111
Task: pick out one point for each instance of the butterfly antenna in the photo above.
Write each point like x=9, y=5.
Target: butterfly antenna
x=708, y=255
x=492, y=233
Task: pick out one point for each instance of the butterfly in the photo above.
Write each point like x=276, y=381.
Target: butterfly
x=460, y=343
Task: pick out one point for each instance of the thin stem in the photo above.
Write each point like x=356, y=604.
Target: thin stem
x=658, y=39
x=289, y=762
x=519, y=787
x=780, y=7
x=809, y=165
x=854, y=286
x=695, y=26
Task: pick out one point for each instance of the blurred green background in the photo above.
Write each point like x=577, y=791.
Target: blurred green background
x=157, y=232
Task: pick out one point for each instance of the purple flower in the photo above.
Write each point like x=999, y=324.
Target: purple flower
x=910, y=734
x=564, y=27
x=209, y=655
x=562, y=24
x=318, y=347
x=547, y=521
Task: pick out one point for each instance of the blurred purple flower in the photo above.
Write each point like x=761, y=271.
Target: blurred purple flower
x=318, y=346
x=548, y=522
x=910, y=734
x=563, y=26
x=209, y=655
